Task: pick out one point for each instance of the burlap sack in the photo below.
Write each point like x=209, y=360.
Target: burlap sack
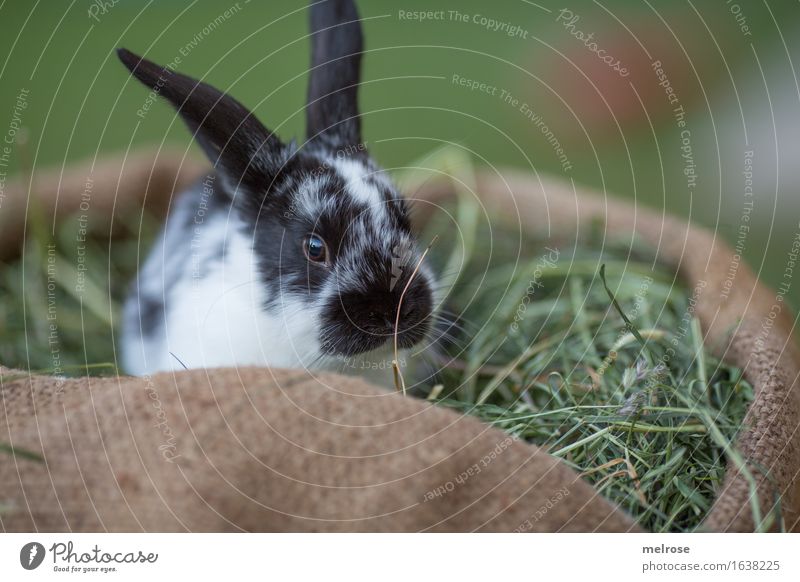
x=261, y=449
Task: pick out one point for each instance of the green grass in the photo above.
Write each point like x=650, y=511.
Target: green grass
x=653, y=438
x=614, y=381
x=58, y=314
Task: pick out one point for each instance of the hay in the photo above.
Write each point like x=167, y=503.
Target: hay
x=611, y=376
x=642, y=411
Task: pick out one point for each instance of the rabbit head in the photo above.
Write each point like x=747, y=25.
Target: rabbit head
x=331, y=235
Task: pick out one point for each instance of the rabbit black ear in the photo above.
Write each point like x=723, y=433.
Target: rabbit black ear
x=336, y=46
x=238, y=144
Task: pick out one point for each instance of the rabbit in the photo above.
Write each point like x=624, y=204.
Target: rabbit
x=285, y=255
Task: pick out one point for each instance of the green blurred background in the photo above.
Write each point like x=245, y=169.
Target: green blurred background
x=730, y=66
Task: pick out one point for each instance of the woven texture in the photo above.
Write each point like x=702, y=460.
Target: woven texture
x=272, y=450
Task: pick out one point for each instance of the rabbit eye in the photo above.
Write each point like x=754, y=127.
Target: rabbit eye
x=315, y=249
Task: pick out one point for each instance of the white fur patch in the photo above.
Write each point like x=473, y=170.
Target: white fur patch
x=355, y=174
x=219, y=319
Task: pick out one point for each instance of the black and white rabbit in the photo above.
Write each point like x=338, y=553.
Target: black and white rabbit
x=284, y=256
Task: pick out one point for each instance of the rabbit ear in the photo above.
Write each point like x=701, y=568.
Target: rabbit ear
x=237, y=143
x=336, y=46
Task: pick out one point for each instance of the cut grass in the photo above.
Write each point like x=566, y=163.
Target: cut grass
x=612, y=379
x=60, y=302
x=591, y=351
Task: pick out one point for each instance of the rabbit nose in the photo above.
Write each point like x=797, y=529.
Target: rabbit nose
x=409, y=312
x=382, y=317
